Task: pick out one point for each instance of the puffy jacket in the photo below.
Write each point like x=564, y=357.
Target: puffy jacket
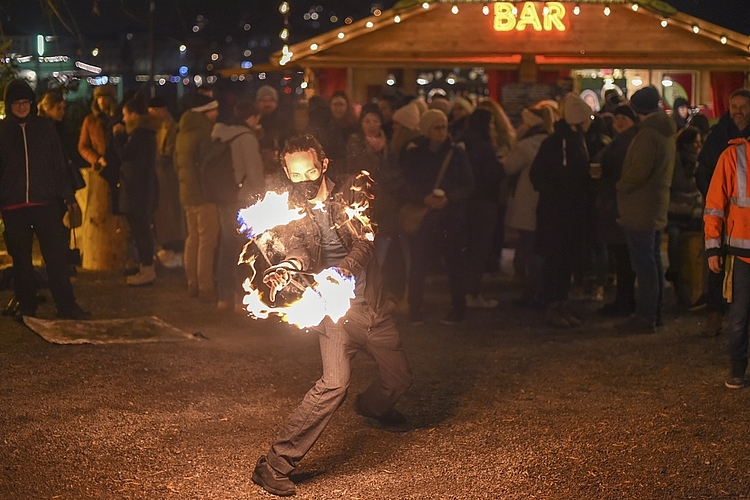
x=32, y=163
x=728, y=203
x=194, y=129
x=521, y=212
x=643, y=188
x=137, y=181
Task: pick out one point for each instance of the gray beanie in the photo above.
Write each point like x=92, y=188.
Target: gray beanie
x=266, y=91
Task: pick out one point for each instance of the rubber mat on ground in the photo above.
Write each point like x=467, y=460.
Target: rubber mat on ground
x=107, y=331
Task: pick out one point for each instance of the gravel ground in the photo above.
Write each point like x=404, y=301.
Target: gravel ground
x=502, y=408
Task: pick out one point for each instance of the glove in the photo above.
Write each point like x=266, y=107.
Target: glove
x=277, y=277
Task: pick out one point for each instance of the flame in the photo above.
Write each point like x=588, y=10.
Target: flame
x=328, y=296
x=273, y=210
x=331, y=292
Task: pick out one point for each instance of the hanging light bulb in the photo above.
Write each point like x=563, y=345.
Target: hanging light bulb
x=284, y=35
x=634, y=7
x=723, y=39
x=284, y=8
x=664, y=22
x=576, y=10
x=397, y=19
x=454, y=9
x=425, y=5
x=607, y=10
x=485, y=10
x=696, y=29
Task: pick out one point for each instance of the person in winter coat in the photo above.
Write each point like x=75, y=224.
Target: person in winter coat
x=483, y=205
x=368, y=150
x=685, y=201
x=102, y=225
x=52, y=106
x=727, y=223
x=169, y=218
x=202, y=216
x=733, y=124
x=34, y=178
x=336, y=134
x=538, y=124
x=444, y=226
x=608, y=229
x=642, y=203
x=247, y=165
x=405, y=128
x=134, y=143
x=560, y=173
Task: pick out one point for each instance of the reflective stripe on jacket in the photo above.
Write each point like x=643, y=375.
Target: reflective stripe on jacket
x=727, y=209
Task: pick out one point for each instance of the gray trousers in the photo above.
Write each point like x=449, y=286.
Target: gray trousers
x=360, y=330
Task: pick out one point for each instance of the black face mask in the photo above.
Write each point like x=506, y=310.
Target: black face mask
x=306, y=190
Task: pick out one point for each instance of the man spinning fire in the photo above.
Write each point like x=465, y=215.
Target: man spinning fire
x=327, y=237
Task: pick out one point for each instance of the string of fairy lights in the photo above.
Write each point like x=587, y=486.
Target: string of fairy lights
x=490, y=6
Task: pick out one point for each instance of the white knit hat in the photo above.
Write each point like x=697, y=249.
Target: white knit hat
x=407, y=116
x=575, y=110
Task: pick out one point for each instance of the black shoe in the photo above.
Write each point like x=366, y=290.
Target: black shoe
x=272, y=480
x=416, y=318
x=391, y=421
x=75, y=313
x=453, y=318
x=613, y=310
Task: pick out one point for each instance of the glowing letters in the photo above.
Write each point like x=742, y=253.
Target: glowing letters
x=551, y=20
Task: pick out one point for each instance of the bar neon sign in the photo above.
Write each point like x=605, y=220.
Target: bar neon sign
x=551, y=18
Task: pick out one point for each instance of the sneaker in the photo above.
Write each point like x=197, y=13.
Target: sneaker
x=635, y=325
x=453, y=318
x=391, y=421
x=735, y=383
x=75, y=313
x=146, y=276
x=479, y=302
x=272, y=480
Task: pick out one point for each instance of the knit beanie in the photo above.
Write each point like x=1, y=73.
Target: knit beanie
x=18, y=90
x=420, y=103
x=679, y=102
x=575, y=110
x=105, y=91
x=266, y=91
x=464, y=103
x=203, y=103
x=645, y=101
x=407, y=116
x=442, y=104
x=429, y=118
x=625, y=110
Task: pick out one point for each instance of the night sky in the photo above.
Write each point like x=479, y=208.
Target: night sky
x=175, y=19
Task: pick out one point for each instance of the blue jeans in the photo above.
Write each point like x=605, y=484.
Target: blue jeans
x=645, y=257
x=360, y=330
x=738, y=317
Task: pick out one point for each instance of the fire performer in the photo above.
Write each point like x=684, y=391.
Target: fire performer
x=326, y=238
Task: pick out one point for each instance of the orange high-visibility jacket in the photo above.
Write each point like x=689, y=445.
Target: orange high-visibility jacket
x=728, y=203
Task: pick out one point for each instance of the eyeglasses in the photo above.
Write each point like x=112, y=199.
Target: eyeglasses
x=22, y=102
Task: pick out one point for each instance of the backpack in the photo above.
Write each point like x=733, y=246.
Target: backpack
x=215, y=171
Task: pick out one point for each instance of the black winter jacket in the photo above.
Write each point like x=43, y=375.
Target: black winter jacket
x=138, y=185
x=716, y=142
x=32, y=163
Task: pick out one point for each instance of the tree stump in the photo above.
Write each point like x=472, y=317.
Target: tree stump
x=102, y=238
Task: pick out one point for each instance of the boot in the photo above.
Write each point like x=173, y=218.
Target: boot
x=145, y=276
x=554, y=316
